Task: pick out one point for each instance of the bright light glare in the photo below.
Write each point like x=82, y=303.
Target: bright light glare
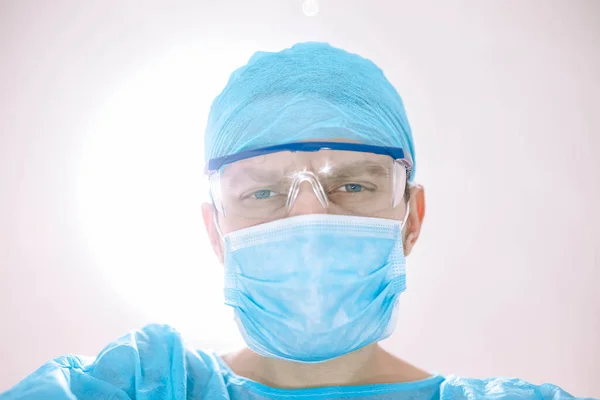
x=310, y=7
x=140, y=190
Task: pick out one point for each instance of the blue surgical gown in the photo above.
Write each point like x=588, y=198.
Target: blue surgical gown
x=153, y=363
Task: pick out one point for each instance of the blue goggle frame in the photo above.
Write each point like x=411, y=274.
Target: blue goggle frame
x=397, y=153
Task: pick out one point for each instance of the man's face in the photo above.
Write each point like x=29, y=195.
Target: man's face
x=279, y=185
x=257, y=190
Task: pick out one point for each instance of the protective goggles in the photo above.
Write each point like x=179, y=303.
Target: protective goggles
x=345, y=178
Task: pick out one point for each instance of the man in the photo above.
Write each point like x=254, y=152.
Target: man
x=311, y=162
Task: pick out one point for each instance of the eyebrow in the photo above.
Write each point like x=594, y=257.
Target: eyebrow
x=257, y=175
x=349, y=170
x=342, y=171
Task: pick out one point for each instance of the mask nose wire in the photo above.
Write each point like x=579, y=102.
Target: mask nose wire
x=310, y=177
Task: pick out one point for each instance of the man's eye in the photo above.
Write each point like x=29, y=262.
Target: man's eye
x=352, y=187
x=263, y=194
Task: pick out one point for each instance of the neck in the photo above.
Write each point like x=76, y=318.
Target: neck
x=369, y=365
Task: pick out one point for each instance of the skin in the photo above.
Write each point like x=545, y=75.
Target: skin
x=368, y=365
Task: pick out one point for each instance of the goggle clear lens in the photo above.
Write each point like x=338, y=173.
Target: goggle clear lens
x=270, y=186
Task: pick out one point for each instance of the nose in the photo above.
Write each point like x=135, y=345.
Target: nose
x=307, y=203
x=308, y=198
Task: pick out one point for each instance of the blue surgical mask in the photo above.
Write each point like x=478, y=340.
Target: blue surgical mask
x=313, y=287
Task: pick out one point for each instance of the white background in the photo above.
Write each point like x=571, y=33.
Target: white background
x=102, y=110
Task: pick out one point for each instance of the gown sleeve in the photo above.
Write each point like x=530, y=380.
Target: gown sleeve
x=149, y=363
x=455, y=388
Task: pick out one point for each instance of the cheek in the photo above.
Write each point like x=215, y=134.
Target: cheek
x=396, y=213
x=232, y=224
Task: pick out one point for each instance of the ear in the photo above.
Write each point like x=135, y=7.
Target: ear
x=209, y=216
x=416, y=214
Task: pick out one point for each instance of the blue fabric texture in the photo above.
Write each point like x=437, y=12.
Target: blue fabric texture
x=153, y=363
x=290, y=311
x=309, y=91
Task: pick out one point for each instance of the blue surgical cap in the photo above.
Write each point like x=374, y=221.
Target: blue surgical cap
x=309, y=91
